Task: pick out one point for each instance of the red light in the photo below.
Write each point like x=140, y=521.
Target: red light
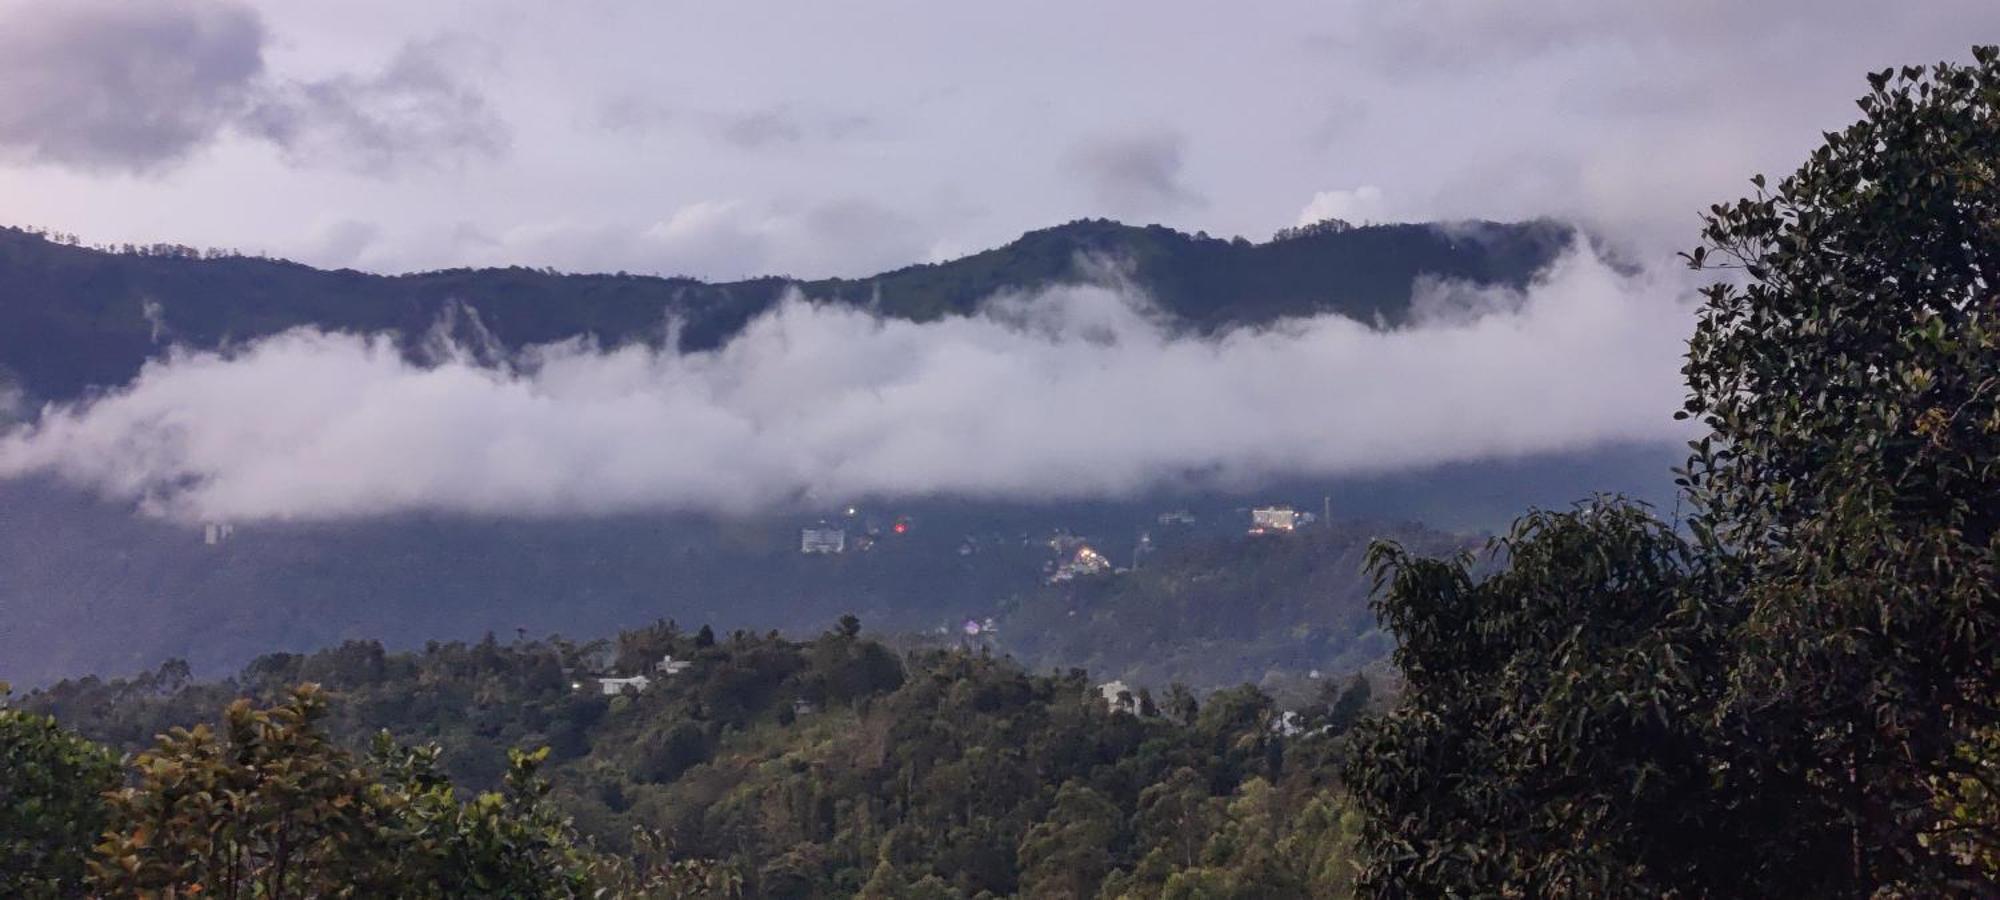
x=902, y=527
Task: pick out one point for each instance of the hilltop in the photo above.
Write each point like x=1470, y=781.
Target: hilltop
x=77, y=317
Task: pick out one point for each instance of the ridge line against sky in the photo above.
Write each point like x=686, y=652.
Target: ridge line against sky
x=1451, y=227
x=747, y=139
x=1070, y=392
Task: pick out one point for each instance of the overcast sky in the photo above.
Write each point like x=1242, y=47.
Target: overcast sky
x=728, y=139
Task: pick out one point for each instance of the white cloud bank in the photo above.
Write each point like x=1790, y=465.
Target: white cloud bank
x=1071, y=392
x=1359, y=206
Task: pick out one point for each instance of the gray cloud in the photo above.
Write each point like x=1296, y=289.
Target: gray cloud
x=1135, y=173
x=342, y=243
x=761, y=128
x=1356, y=206
x=415, y=110
x=1448, y=38
x=629, y=114
x=783, y=125
x=1340, y=119
x=1628, y=118
x=112, y=84
x=719, y=240
x=1074, y=392
x=139, y=86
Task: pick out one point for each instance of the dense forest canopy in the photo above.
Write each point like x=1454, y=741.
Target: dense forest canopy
x=760, y=765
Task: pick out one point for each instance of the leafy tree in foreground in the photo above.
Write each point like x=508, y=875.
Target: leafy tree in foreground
x=1800, y=697
x=1853, y=387
x=1553, y=739
x=272, y=808
x=51, y=808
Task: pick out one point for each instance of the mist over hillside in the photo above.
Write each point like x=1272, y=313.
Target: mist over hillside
x=227, y=456
x=77, y=317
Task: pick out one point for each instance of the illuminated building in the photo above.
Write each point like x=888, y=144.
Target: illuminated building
x=1271, y=519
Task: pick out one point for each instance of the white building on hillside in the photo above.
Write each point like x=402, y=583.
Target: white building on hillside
x=1085, y=562
x=670, y=666
x=1118, y=697
x=823, y=539
x=1270, y=519
x=612, y=687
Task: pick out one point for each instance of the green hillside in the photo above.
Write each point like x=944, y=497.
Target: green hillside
x=828, y=767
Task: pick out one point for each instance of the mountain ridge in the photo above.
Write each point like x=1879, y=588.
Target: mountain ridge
x=75, y=318
x=85, y=585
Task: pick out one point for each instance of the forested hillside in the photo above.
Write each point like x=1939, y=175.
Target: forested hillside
x=73, y=316
x=1256, y=609
x=829, y=767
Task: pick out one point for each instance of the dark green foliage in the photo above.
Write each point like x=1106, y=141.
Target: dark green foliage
x=1348, y=707
x=1553, y=738
x=1340, y=705
x=270, y=807
x=51, y=808
x=1852, y=384
x=1797, y=696
x=666, y=750
x=1067, y=853
x=823, y=768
